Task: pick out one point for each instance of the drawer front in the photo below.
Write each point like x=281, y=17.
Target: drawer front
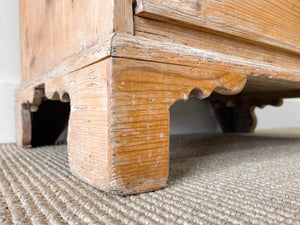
x=270, y=22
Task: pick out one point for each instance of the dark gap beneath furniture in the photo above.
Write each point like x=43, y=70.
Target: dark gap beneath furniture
x=49, y=123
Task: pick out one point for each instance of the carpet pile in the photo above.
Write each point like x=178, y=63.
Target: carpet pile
x=215, y=179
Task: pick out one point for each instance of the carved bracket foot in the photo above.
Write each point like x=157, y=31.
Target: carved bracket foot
x=118, y=133
x=236, y=113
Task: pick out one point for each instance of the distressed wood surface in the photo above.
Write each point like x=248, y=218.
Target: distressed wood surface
x=118, y=138
x=87, y=92
x=283, y=75
x=23, y=123
x=119, y=121
x=141, y=94
x=121, y=73
x=123, y=16
x=53, y=31
x=217, y=45
x=275, y=23
x=168, y=43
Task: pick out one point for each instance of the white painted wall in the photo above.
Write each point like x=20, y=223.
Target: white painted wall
x=195, y=116
x=9, y=66
x=272, y=117
x=191, y=117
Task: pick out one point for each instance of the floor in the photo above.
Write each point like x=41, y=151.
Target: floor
x=214, y=179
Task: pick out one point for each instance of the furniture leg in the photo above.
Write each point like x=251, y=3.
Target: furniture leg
x=118, y=134
x=236, y=114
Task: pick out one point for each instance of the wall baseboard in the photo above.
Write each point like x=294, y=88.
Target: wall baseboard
x=7, y=112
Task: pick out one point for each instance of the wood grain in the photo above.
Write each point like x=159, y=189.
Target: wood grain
x=23, y=123
x=144, y=48
x=121, y=73
x=118, y=138
x=53, y=30
x=275, y=23
x=173, y=35
x=88, y=123
x=141, y=94
x=123, y=16
x=57, y=30
x=119, y=121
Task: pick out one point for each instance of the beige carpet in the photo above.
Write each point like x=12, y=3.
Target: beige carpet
x=230, y=179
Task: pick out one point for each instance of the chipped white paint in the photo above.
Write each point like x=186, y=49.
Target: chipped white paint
x=69, y=128
x=73, y=109
x=86, y=180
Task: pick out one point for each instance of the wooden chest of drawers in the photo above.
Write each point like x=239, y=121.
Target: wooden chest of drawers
x=116, y=66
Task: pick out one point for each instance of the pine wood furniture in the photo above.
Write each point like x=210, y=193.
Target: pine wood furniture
x=122, y=63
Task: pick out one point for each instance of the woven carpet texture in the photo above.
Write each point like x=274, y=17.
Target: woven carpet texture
x=218, y=179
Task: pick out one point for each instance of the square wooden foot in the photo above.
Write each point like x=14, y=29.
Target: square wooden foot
x=118, y=132
x=117, y=141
